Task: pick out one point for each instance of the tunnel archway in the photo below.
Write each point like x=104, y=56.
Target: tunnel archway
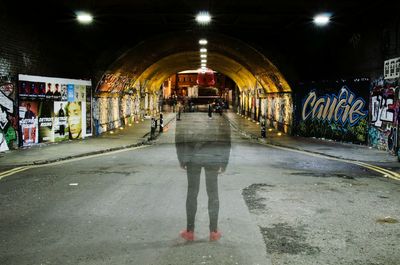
x=142, y=69
x=181, y=51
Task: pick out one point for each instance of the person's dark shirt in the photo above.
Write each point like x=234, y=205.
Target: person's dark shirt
x=61, y=113
x=205, y=146
x=57, y=94
x=29, y=114
x=49, y=94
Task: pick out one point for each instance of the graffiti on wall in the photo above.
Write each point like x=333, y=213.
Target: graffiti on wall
x=115, y=83
x=111, y=112
x=342, y=108
x=384, y=115
x=8, y=115
x=279, y=109
x=334, y=110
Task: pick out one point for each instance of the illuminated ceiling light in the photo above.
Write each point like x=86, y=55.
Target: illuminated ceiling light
x=203, y=50
x=322, y=19
x=203, y=42
x=203, y=65
x=203, y=61
x=84, y=18
x=203, y=55
x=203, y=17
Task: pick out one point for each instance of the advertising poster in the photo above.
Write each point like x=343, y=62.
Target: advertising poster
x=45, y=121
x=31, y=90
x=54, y=109
x=64, y=92
x=74, y=120
x=80, y=92
x=60, y=125
x=70, y=93
x=88, y=110
x=57, y=92
x=28, y=113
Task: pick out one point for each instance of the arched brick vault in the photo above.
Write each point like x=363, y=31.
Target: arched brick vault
x=152, y=61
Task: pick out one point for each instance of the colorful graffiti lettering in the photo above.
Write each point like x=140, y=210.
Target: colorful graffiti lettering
x=384, y=115
x=383, y=107
x=343, y=108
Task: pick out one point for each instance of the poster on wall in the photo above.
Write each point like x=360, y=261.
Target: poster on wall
x=60, y=121
x=45, y=121
x=28, y=113
x=88, y=110
x=53, y=109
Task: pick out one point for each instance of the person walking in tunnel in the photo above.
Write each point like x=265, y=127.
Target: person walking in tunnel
x=210, y=110
x=198, y=146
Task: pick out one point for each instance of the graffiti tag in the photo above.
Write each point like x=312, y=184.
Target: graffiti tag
x=382, y=109
x=343, y=108
x=6, y=107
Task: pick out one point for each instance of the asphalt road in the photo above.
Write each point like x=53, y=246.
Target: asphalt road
x=128, y=207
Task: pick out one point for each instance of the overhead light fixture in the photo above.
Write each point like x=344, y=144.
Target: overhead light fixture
x=322, y=19
x=203, y=65
x=84, y=18
x=203, y=17
x=203, y=60
x=203, y=50
x=203, y=42
x=203, y=55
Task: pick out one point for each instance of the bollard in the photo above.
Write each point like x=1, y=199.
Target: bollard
x=153, y=128
x=161, y=123
x=263, y=129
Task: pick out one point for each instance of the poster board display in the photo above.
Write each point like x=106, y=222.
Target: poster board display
x=53, y=109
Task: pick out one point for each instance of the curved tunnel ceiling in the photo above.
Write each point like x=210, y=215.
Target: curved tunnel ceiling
x=152, y=61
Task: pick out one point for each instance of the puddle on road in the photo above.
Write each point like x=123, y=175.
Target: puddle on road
x=253, y=201
x=284, y=239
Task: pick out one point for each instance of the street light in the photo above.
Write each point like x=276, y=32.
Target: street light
x=84, y=18
x=203, y=42
x=322, y=19
x=203, y=17
x=203, y=50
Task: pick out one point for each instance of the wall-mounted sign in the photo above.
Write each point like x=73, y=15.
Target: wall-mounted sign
x=392, y=68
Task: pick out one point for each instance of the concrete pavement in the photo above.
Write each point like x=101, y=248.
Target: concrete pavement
x=138, y=135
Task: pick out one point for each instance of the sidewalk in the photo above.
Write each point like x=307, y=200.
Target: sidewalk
x=132, y=136
x=312, y=145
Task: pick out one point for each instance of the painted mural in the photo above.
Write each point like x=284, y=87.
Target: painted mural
x=333, y=110
x=384, y=115
x=115, y=82
x=8, y=115
x=112, y=111
x=278, y=112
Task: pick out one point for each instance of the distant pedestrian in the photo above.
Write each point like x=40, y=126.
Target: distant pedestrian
x=179, y=106
x=209, y=110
